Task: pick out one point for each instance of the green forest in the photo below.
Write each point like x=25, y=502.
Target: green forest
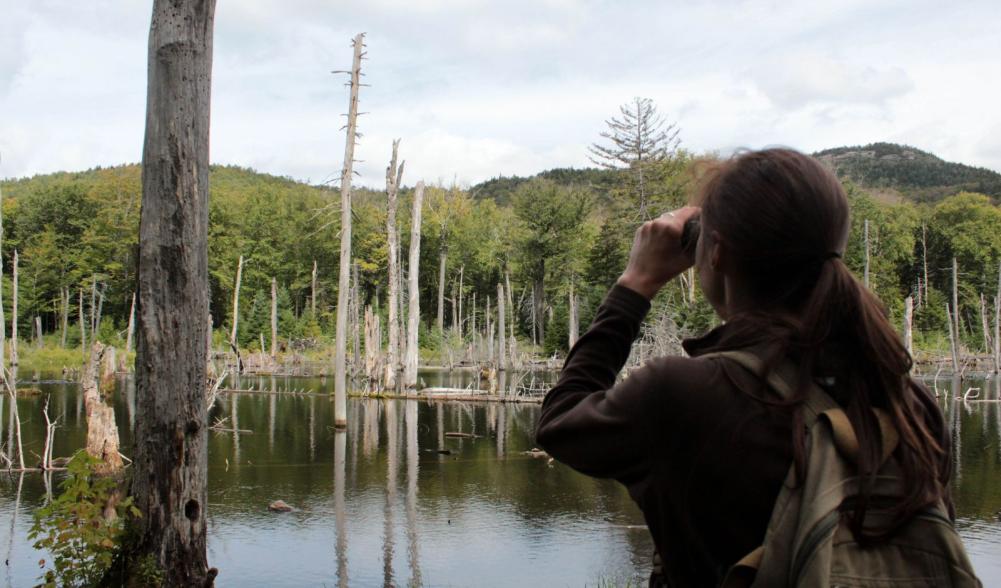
x=559, y=232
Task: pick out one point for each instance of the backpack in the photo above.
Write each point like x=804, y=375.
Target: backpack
x=808, y=541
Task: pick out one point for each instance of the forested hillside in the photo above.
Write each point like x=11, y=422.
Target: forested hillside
x=916, y=174
x=562, y=233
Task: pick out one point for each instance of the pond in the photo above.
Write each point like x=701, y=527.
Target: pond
x=394, y=501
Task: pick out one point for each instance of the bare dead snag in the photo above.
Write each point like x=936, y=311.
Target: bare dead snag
x=413, y=303
x=102, y=433
x=344, y=267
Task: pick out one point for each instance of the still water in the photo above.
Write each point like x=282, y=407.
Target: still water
x=394, y=501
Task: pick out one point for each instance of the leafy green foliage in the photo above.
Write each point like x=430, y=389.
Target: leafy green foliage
x=73, y=528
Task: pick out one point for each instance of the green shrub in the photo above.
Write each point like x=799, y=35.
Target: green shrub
x=72, y=527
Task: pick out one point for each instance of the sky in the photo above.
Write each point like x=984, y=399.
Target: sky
x=477, y=89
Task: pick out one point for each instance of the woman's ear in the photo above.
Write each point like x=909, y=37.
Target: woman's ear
x=716, y=254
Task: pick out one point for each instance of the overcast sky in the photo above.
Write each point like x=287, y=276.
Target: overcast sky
x=479, y=88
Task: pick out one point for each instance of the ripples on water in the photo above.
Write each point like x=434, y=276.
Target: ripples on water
x=377, y=505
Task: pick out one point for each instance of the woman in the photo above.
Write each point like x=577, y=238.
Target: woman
x=700, y=443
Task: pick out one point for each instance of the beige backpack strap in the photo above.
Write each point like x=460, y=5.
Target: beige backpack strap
x=779, y=380
x=846, y=440
x=742, y=574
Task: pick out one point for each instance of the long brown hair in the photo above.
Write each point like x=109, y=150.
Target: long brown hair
x=784, y=220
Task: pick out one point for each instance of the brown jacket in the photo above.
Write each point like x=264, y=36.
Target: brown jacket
x=701, y=455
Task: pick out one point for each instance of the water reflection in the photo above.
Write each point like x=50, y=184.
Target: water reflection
x=393, y=501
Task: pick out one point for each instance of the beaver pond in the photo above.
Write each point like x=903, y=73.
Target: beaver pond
x=400, y=499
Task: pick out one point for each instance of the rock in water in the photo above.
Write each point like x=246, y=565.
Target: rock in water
x=279, y=506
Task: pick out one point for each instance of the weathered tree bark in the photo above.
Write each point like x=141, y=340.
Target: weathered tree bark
x=171, y=467
x=393, y=177
x=236, y=302
x=344, y=267
x=83, y=325
x=102, y=433
x=38, y=332
x=132, y=326
x=413, y=302
x=501, y=322
x=13, y=315
x=442, y=257
x=274, y=318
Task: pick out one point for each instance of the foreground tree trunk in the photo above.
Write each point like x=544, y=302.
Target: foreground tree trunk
x=171, y=467
x=344, y=268
x=413, y=304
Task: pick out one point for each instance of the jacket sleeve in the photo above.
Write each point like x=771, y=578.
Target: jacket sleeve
x=588, y=421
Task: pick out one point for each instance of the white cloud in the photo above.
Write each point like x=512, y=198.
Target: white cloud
x=477, y=89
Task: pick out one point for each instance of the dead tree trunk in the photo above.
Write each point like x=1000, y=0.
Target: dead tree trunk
x=64, y=299
x=102, y=433
x=909, y=325
x=83, y=324
x=38, y=332
x=13, y=315
x=953, y=344
x=344, y=267
x=274, y=318
x=442, y=257
x=924, y=255
x=393, y=177
x=93, y=307
x=413, y=299
x=501, y=322
x=458, y=297
x=865, y=274
x=171, y=450
x=512, y=342
x=985, y=325
x=236, y=303
x=132, y=326
x=100, y=307
x=573, y=329
x=955, y=301
x=312, y=293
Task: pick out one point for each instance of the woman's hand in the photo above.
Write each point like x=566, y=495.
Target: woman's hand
x=657, y=256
